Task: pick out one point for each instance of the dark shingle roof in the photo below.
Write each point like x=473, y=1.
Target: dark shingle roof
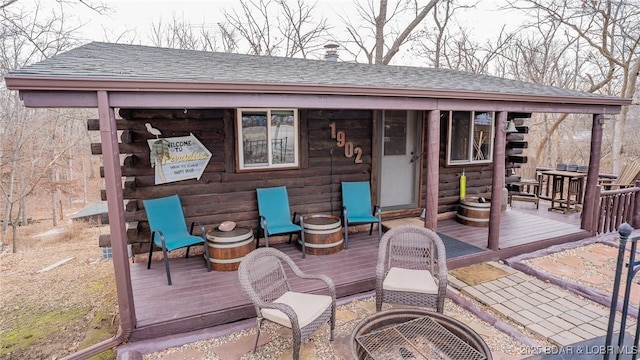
x=107, y=61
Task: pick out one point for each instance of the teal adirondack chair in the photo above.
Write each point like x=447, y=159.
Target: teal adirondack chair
x=169, y=229
x=275, y=215
x=357, y=209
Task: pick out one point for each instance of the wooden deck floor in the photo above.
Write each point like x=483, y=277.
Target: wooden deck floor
x=199, y=299
x=520, y=225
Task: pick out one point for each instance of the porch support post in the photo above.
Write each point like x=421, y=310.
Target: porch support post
x=635, y=219
x=591, y=198
x=497, y=183
x=113, y=183
x=432, y=178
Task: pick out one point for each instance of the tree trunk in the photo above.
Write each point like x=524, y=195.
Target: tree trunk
x=9, y=197
x=58, y=192
x=14, y=237
x=84, y=183
x=54, y=207
x=381, y=20
x=550, y=132
x=22, y=208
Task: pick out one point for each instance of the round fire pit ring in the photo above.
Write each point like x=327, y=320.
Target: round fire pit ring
x=444, y=337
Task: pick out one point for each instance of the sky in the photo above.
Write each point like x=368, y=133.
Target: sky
x=136, y=16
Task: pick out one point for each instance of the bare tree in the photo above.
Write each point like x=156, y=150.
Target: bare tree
x=228, y=38
x=275, y=27
x=259, y=27
x=6, y=3
x=298, y=28
x=543, y=55
x=178, y=33
x=26, y=152
x=433, y=39
x=610, y=54
x=379, y=32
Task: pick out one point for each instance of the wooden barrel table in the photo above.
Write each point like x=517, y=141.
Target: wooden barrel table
x=322, y=235
x=473, y=213
x=228, y=248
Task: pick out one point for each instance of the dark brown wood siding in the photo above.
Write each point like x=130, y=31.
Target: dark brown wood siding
x=478, y=176
x=222, y=193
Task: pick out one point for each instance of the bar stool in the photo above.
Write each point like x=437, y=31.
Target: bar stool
x=557, y=191
x=574, y=192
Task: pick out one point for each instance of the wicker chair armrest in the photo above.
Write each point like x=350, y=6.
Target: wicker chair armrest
x=442, y=273
x=381, y=270
x=324, y=278
x=442, y=279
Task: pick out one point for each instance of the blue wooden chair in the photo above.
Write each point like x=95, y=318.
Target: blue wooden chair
x=275, y=215
x=357, y=209
x=169, y=229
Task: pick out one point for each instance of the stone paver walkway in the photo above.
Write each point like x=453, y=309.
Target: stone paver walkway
x=555, y=314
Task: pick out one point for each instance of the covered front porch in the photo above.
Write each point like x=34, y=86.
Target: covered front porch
x=198, y=299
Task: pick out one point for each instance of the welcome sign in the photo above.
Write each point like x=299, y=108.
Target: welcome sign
x=178, y=158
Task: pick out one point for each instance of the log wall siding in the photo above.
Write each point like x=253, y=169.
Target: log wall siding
x=224, y=194
x=478, y=176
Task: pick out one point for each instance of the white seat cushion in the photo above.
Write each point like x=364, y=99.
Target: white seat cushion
x=419, y=281
x=306, y=306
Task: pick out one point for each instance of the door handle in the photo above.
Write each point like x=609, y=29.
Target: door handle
x=414, y=157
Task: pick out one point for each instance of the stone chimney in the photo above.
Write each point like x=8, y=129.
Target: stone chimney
x=331, y=53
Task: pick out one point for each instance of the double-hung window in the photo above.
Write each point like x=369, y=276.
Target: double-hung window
x=267, y=138
x=470, y=137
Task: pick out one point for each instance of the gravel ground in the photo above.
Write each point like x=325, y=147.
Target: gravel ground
x=592, y=266
x=501, y=345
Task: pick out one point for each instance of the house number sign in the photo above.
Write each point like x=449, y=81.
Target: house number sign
x=341, y=141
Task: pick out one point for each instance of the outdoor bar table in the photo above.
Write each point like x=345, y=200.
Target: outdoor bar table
x=561, y=194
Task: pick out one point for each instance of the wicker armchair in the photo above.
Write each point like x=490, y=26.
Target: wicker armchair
x=411, y=269
x=262, y=277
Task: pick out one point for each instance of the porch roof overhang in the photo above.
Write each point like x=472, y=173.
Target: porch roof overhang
x=149, y=77
x=81, y=93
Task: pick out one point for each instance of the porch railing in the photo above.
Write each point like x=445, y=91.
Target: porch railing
x=617, y=207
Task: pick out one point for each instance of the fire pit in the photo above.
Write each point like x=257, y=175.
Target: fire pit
x=415, y=334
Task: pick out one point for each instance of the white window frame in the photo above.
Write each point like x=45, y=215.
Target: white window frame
x=488, y=158
x=269, y=165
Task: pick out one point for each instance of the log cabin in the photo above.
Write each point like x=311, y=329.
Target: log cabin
x=305, y=124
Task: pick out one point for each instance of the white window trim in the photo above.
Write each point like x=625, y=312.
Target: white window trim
x=470, y=160
x=240, y=140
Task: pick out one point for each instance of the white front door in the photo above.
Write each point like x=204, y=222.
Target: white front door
x=400, y=160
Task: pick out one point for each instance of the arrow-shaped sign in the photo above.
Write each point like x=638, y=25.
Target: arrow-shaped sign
x=178, y=158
